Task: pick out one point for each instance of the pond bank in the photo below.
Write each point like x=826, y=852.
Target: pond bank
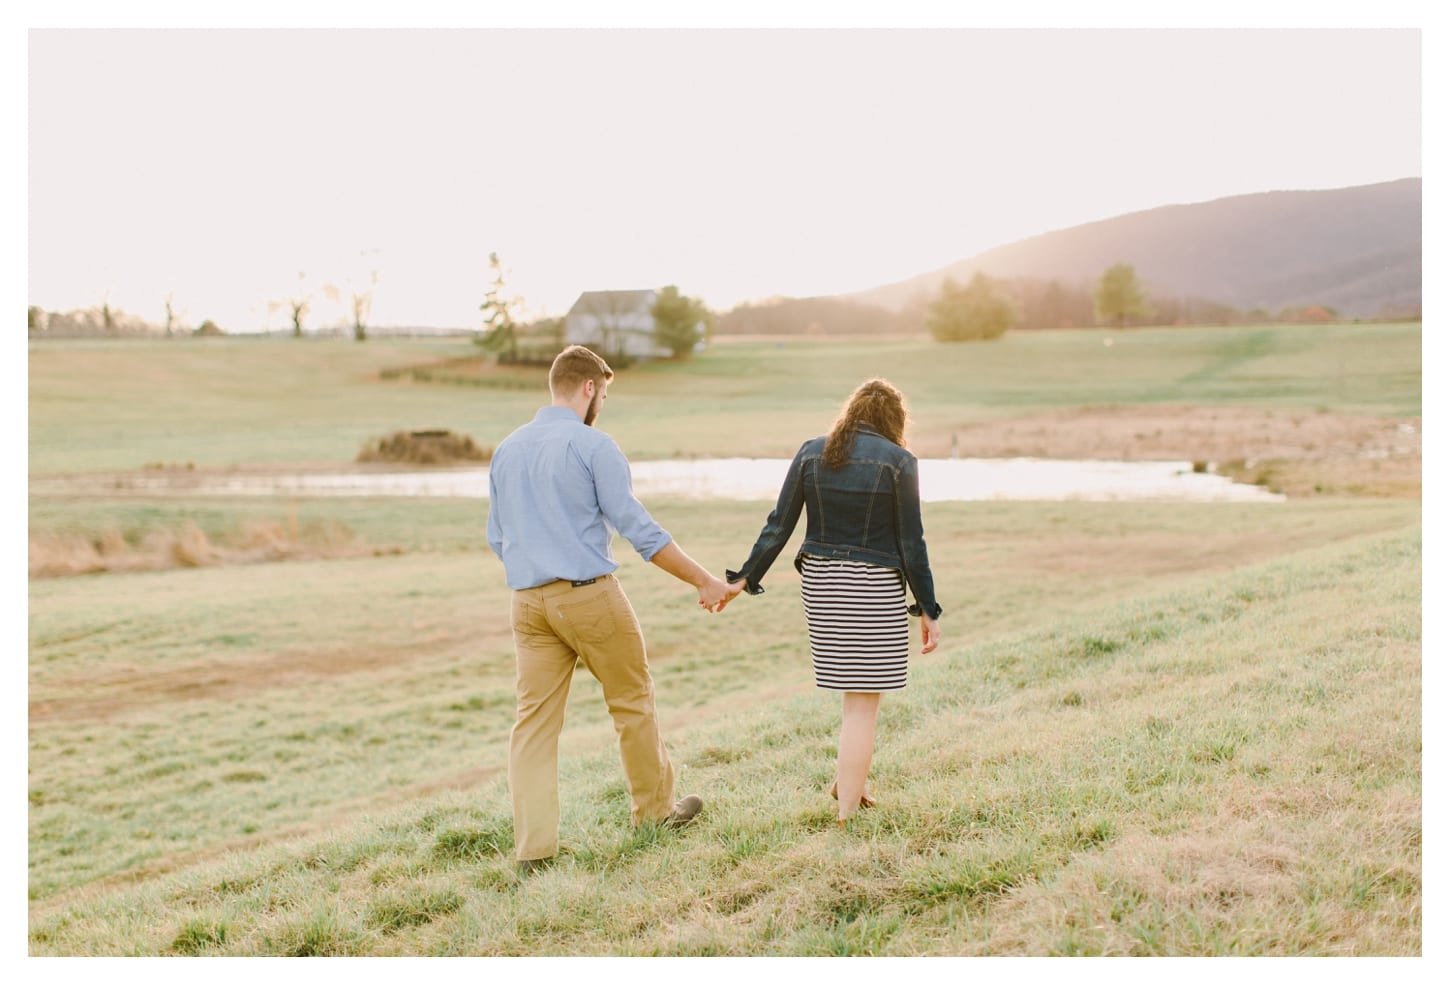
x=942, y=480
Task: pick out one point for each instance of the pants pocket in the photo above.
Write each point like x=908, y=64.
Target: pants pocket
x=590, y=620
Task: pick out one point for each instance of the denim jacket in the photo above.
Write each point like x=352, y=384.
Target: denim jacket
x=868, y=510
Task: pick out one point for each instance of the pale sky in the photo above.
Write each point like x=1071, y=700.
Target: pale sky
x=217, y=165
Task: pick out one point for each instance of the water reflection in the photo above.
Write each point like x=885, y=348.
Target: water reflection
x=759, y=479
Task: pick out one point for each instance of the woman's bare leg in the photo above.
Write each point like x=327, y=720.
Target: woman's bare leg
x=853, y=760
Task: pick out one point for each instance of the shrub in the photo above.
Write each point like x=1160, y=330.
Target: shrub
x=439, y=447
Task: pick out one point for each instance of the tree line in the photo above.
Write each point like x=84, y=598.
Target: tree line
x=983, y=308
x=987, y=307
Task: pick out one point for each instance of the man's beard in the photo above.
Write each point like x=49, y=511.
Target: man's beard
x=593, y=411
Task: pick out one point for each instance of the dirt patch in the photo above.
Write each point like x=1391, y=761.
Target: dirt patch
x=107, y=695
x=1301, y=453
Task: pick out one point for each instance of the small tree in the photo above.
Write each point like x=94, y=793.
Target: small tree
x=978, y=311
x=299, y=304
x=1119, y=296
x=501, y=328
x=362, y=305
x=170, y=316
x=680, y=322
x=35, y=319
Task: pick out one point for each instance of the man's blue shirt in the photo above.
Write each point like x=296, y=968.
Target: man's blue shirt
x=558, y=490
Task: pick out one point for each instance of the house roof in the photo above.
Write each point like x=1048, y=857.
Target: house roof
x=612, y=302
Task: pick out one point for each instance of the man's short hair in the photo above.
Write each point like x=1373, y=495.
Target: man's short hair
x=575, y=365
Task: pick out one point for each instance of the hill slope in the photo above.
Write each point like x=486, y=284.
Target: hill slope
x=1357, y=250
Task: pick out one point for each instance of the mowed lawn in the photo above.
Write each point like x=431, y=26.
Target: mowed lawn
x=1203, y=720
x=1157, y=729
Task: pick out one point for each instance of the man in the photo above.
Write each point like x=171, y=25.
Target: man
x=558, y=489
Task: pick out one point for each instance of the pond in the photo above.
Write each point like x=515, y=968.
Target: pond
x=727, y=478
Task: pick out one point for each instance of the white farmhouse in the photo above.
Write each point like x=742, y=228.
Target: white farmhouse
x=614, y=324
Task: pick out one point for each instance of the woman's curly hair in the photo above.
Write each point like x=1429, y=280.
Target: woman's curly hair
x=876, y=404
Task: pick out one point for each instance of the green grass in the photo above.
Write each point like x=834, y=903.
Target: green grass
x=123, y=405
x=1156, y=729
x=1176, y=702
x=328, y=739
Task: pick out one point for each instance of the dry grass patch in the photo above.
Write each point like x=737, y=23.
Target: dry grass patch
x=58, y=553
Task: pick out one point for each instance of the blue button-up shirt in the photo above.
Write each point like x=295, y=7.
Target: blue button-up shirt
x=558, y=489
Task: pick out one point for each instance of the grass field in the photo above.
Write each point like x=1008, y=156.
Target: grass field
x=1157, y=729
x=123, y=405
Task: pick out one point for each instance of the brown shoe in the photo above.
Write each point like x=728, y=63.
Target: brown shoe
x=685, y=810
x=866, y=799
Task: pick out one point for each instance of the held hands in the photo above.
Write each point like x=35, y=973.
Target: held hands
x=930, y=634
x=734, y=588
x=715, y=594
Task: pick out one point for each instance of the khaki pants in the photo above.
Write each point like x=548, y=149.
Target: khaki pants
x=554, y=625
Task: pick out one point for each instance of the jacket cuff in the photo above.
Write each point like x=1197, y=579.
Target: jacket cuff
x=751, y=586
x=915, y=610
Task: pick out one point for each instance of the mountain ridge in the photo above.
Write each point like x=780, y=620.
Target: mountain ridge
x=1355, y=249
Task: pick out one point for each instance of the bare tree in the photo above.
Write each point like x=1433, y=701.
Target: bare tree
x=299, y=304
x=501, y=335
x=362, y=305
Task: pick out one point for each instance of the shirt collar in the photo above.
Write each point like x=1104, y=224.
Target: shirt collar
x=555, y=413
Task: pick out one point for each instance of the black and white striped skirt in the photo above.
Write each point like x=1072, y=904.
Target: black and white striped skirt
x=856, y=614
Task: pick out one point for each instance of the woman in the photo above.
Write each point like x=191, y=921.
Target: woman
x=863, y=549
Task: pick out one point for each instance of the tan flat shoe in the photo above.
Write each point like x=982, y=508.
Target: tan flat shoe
x=866, y=799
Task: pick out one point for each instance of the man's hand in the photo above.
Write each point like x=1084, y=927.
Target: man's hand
x=930, y=634
x=715, y=594
x=732, y=589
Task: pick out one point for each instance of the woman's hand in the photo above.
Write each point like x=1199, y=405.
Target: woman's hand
x=732, y=588
x=930, y=634
x=721, y=594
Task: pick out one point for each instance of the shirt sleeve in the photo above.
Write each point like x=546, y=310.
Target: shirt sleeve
x=911, y=541
x=615, y=489
x=495, y=527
